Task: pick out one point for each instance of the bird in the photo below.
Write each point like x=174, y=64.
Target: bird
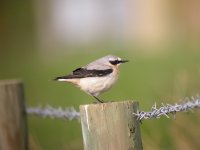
x=96, y=77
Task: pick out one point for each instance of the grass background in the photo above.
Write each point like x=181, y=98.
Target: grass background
x=166, y=78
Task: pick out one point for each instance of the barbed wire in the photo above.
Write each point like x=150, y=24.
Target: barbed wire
x=187, y=105
x=70, y=113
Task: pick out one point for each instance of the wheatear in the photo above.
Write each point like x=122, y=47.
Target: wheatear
x=96, y=77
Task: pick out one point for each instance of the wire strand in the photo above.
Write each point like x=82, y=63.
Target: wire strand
x=70, y=113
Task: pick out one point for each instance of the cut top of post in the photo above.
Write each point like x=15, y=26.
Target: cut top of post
x=9, y=82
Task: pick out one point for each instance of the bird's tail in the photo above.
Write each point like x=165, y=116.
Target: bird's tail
x=62, y=78
x=67, y=79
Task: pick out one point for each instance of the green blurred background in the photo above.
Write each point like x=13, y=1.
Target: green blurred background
x=43, y=39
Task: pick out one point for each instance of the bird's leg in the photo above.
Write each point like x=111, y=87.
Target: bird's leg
x=98, y=100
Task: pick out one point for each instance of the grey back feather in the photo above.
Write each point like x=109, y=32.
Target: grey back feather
x=101, y=63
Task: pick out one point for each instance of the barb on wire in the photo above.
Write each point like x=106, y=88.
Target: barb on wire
x=166, y=109
x=51, y=112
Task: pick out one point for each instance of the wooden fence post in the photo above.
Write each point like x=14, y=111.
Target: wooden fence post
x=110, y=126
x=13, y=128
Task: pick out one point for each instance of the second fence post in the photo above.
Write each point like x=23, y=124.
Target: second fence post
x=110, y=126
x=13, y=129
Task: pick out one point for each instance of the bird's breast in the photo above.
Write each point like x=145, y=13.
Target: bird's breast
x=97, y=85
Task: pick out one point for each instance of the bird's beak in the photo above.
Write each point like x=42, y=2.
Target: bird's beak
x=124, y=61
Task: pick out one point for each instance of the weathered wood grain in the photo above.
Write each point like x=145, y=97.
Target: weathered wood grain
x=110, y=126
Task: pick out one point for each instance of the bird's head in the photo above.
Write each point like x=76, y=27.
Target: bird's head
x=115, y=61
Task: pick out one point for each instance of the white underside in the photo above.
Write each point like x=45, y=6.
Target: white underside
x=96, y=85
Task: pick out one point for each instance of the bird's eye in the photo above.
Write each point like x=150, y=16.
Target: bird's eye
x=115, y=62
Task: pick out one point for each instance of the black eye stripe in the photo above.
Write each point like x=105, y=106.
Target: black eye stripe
x=115, y=62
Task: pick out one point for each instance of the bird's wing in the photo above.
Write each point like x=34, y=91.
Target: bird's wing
x=84, y=73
